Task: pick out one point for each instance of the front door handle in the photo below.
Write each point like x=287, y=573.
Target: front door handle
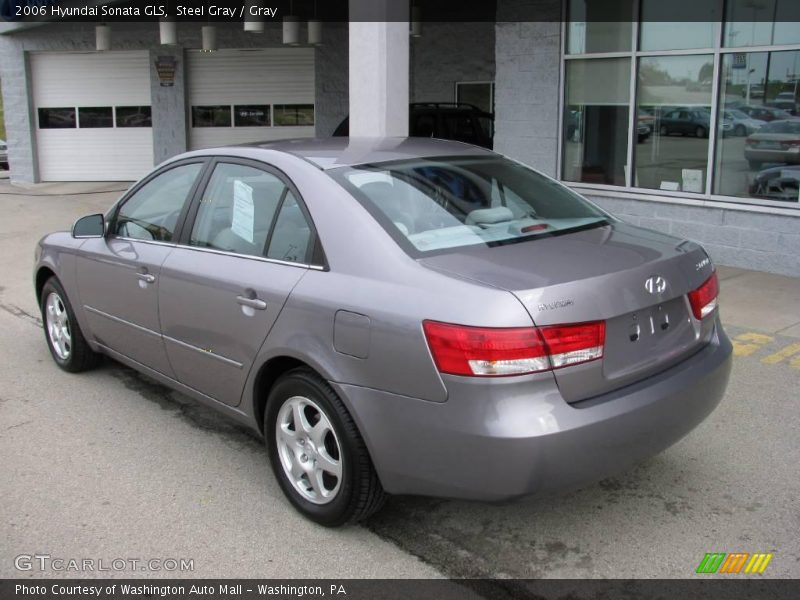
x=251, y=302
x=147, y=277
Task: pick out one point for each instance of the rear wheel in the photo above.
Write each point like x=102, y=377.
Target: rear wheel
x=64, y=337
x=317, y=453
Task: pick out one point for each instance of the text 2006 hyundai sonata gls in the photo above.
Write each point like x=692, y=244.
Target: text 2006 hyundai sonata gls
x=395, y=316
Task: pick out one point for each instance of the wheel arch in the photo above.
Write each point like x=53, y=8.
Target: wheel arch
x=42, y=275
x=268, y=373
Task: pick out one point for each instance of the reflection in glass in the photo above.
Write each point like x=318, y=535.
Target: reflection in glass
x=95, y=117
x=134, y=116
x=697, y=30
x=761, y=22
x=599, y=26
x=758, y=92
x=294, y=114
x=56, y=118
x=211, y=116
x=674, y=94
x=596, y=120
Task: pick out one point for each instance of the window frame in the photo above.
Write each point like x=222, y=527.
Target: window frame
x=718, y=51
x=315, y=255
x=180, y=225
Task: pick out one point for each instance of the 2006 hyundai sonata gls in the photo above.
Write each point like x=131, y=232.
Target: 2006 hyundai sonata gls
x=395, y=316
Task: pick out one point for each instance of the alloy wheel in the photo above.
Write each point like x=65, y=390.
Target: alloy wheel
x=58, y=328
x=309, y=450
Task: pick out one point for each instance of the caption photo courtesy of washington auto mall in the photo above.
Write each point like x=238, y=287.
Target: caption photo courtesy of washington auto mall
x=388, y=298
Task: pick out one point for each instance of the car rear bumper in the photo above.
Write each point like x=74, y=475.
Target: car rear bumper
x=510, y=437
x=776, y=156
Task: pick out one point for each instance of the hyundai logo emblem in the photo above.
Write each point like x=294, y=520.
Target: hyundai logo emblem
x=655, y=284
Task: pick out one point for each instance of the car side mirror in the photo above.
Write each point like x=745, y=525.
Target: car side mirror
x=89, y=227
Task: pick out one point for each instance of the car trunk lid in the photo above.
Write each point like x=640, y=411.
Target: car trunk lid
x=634, y=279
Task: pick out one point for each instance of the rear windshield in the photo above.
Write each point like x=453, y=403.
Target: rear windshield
x=438, y=204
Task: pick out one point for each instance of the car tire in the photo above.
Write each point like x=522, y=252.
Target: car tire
x=64, y=337
x=700, y=132
x=740, y=131
x=755, y=165
x=352, y=496
x=663, y=130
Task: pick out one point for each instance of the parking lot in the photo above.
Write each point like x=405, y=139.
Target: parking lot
x=108, y=464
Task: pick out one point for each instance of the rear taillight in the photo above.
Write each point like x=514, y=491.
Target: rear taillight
x=704, y=298
x=493, y=352
x=790, y=144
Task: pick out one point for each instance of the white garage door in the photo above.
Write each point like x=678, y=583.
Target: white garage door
x=240, y=96
x=92, y=115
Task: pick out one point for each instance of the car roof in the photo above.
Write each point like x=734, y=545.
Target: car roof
x=329, y=153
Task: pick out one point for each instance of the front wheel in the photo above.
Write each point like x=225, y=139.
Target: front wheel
x=317, y=453
x=62, y=332
x=700, y=132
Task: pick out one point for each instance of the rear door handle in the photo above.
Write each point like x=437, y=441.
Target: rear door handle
x=251, y=302
x=146, y=277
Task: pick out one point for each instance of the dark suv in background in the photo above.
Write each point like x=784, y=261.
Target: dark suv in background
x=444, y=120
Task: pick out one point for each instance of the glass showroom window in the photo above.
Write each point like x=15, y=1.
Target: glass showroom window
x=760, y=158
x=674, y=95
x=717, y=101
x=595, y=136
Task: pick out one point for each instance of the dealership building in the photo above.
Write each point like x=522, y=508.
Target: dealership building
x=690, y=128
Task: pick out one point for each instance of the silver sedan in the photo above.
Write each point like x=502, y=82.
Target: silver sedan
x=395, y=316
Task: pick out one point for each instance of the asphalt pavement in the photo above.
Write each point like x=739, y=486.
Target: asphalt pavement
x=108, y=464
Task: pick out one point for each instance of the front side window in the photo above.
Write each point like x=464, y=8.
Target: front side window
x=237, y=210
x=430, y=205
x=152, y=212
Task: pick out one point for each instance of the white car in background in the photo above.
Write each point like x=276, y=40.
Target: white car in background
x=3, y=155
x=743, y=124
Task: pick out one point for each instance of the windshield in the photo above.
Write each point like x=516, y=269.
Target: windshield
x=437, y=204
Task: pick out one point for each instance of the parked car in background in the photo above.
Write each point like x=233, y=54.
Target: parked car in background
x=775, y=142
x=765, y=113
x=777, y=183
x=786, y=101
x=743, y=124
x=642, y=132
x=402, y=316
x=444, y=120
x=3, y=155
x=690, y=121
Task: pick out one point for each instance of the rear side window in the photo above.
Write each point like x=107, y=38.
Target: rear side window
x=152, y=212
x=237, y=209
x=438, y=204
x=291, y=238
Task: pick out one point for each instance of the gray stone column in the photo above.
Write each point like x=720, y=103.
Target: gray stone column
x=378, y=68
x=168, y=104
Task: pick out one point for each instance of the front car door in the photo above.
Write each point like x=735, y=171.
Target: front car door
x=118, y=274
x=247, y=243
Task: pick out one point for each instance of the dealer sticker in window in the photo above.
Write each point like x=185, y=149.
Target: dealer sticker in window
x=243, y=212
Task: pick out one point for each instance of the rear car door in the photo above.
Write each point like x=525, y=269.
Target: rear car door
x=118, y=274
x=247, y=243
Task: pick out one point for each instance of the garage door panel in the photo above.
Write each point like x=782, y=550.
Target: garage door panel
x=92, y=79
x=105, y=154
x=268, y=76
